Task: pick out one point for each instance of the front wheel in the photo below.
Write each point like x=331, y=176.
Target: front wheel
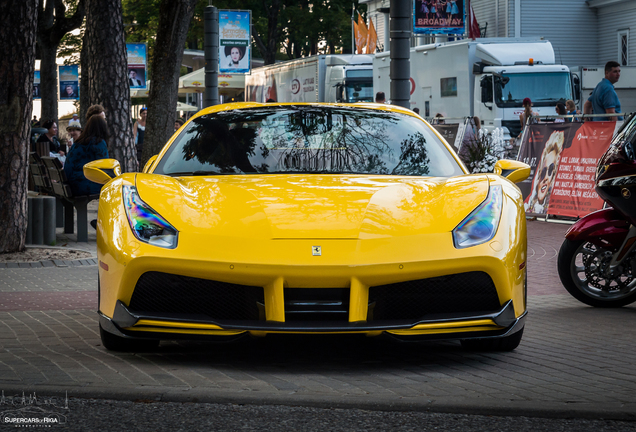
x=584, y=270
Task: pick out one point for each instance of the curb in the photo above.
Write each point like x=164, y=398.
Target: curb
x=563, y=410
x=52, y=263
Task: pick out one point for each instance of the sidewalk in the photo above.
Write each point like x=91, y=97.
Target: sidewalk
x=574, y=360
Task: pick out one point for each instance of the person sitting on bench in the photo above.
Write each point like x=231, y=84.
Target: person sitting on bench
x=91, y=145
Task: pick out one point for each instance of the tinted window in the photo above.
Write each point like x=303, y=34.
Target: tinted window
x=307, y=140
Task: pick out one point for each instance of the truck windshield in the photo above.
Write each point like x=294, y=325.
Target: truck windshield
x=307, y=140
x=543, y=88
x=359, y=92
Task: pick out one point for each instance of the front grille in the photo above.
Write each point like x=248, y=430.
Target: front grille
x=460, y=293
x=316, y=304
x=158, y=292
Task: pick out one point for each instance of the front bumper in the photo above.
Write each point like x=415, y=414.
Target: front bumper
x=129, y=324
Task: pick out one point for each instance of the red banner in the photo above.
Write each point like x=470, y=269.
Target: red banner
x=573, y=192
x=563, y=159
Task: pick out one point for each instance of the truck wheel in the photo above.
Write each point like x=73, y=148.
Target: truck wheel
x=506, y=343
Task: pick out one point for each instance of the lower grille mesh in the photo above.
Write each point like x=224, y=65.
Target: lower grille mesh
x=168, y=293
x=463, y=292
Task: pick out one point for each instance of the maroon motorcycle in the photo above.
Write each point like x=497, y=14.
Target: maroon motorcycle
x=597, y=260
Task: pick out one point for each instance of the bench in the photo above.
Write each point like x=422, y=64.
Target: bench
x=51, y=173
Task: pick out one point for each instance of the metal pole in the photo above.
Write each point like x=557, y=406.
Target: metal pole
x=400, y=14
x=353, y=36
x=211, y=42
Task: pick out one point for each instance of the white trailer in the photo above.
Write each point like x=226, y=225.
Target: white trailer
x=322, y=78
x=488, y=78
x=587, y=77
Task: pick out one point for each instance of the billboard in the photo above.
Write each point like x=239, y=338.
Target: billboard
x=69, y=82
x=234, y=41
x=439, y=17
x=563, y=158
x=137, y=61
x=36, y=85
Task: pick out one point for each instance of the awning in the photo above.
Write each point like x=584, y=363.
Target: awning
x=194, y=82
x=185, y=107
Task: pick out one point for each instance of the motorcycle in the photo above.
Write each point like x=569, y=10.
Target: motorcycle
x=597, y=260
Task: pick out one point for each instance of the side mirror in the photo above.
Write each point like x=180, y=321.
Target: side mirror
x=514, y=171
x=149, y=163
x=577, y=87
x=102, y=171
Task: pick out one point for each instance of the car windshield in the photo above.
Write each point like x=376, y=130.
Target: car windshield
x=307, y=139
x=544, y=89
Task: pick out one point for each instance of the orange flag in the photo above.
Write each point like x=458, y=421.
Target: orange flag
x=361, y=34
x=372, y=38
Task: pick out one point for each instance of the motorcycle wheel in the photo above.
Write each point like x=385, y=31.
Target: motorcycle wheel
x=583, y=271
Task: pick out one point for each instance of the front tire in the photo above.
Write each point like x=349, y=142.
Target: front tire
x=583, y=270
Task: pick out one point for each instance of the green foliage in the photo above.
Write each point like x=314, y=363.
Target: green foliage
x=71, y=44
x=141, y=19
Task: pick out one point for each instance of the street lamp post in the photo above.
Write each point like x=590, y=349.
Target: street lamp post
x=211, y=41
x=400, y=27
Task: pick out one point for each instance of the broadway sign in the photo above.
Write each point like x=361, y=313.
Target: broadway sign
x=563, y=158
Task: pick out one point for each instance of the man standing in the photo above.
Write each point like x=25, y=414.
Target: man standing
x=380, y=98
x=74, y=121
x=604, y=99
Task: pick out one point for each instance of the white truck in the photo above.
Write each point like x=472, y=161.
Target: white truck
x=321, y=78
x=587, y=77
x=488, y=78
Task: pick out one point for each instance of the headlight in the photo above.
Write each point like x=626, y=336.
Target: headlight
x=481, y=225
x=147, y=225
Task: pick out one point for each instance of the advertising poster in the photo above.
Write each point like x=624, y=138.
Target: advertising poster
x=69, y=82
x=573, y=193
x=563, y=158
x=234, y=41
x=439, y=17
x=137, y=60
x=36, y=85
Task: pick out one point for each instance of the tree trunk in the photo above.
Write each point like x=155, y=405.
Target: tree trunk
x=52, y=26
x=269, y=46
x=174, y=20
x=17, y=60
x=104, y=76
x=48, y=81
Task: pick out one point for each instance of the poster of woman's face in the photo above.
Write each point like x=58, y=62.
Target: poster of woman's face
x=234, y=41
x=545, y=174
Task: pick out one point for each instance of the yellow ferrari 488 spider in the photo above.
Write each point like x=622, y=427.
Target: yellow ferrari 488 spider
x=310, y=218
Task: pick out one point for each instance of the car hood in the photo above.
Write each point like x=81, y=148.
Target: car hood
x=312, y=206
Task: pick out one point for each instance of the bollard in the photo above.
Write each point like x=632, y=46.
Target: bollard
x=49, y=210
x=59, y=213
x=29, y=235
x=38, y=225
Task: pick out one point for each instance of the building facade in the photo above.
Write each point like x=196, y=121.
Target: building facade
x=582, y=32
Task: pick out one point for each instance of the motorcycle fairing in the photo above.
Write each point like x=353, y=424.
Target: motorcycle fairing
x=605, y=228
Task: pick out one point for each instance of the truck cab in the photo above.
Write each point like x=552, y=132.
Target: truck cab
x=498, y=102
x=349, y=79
